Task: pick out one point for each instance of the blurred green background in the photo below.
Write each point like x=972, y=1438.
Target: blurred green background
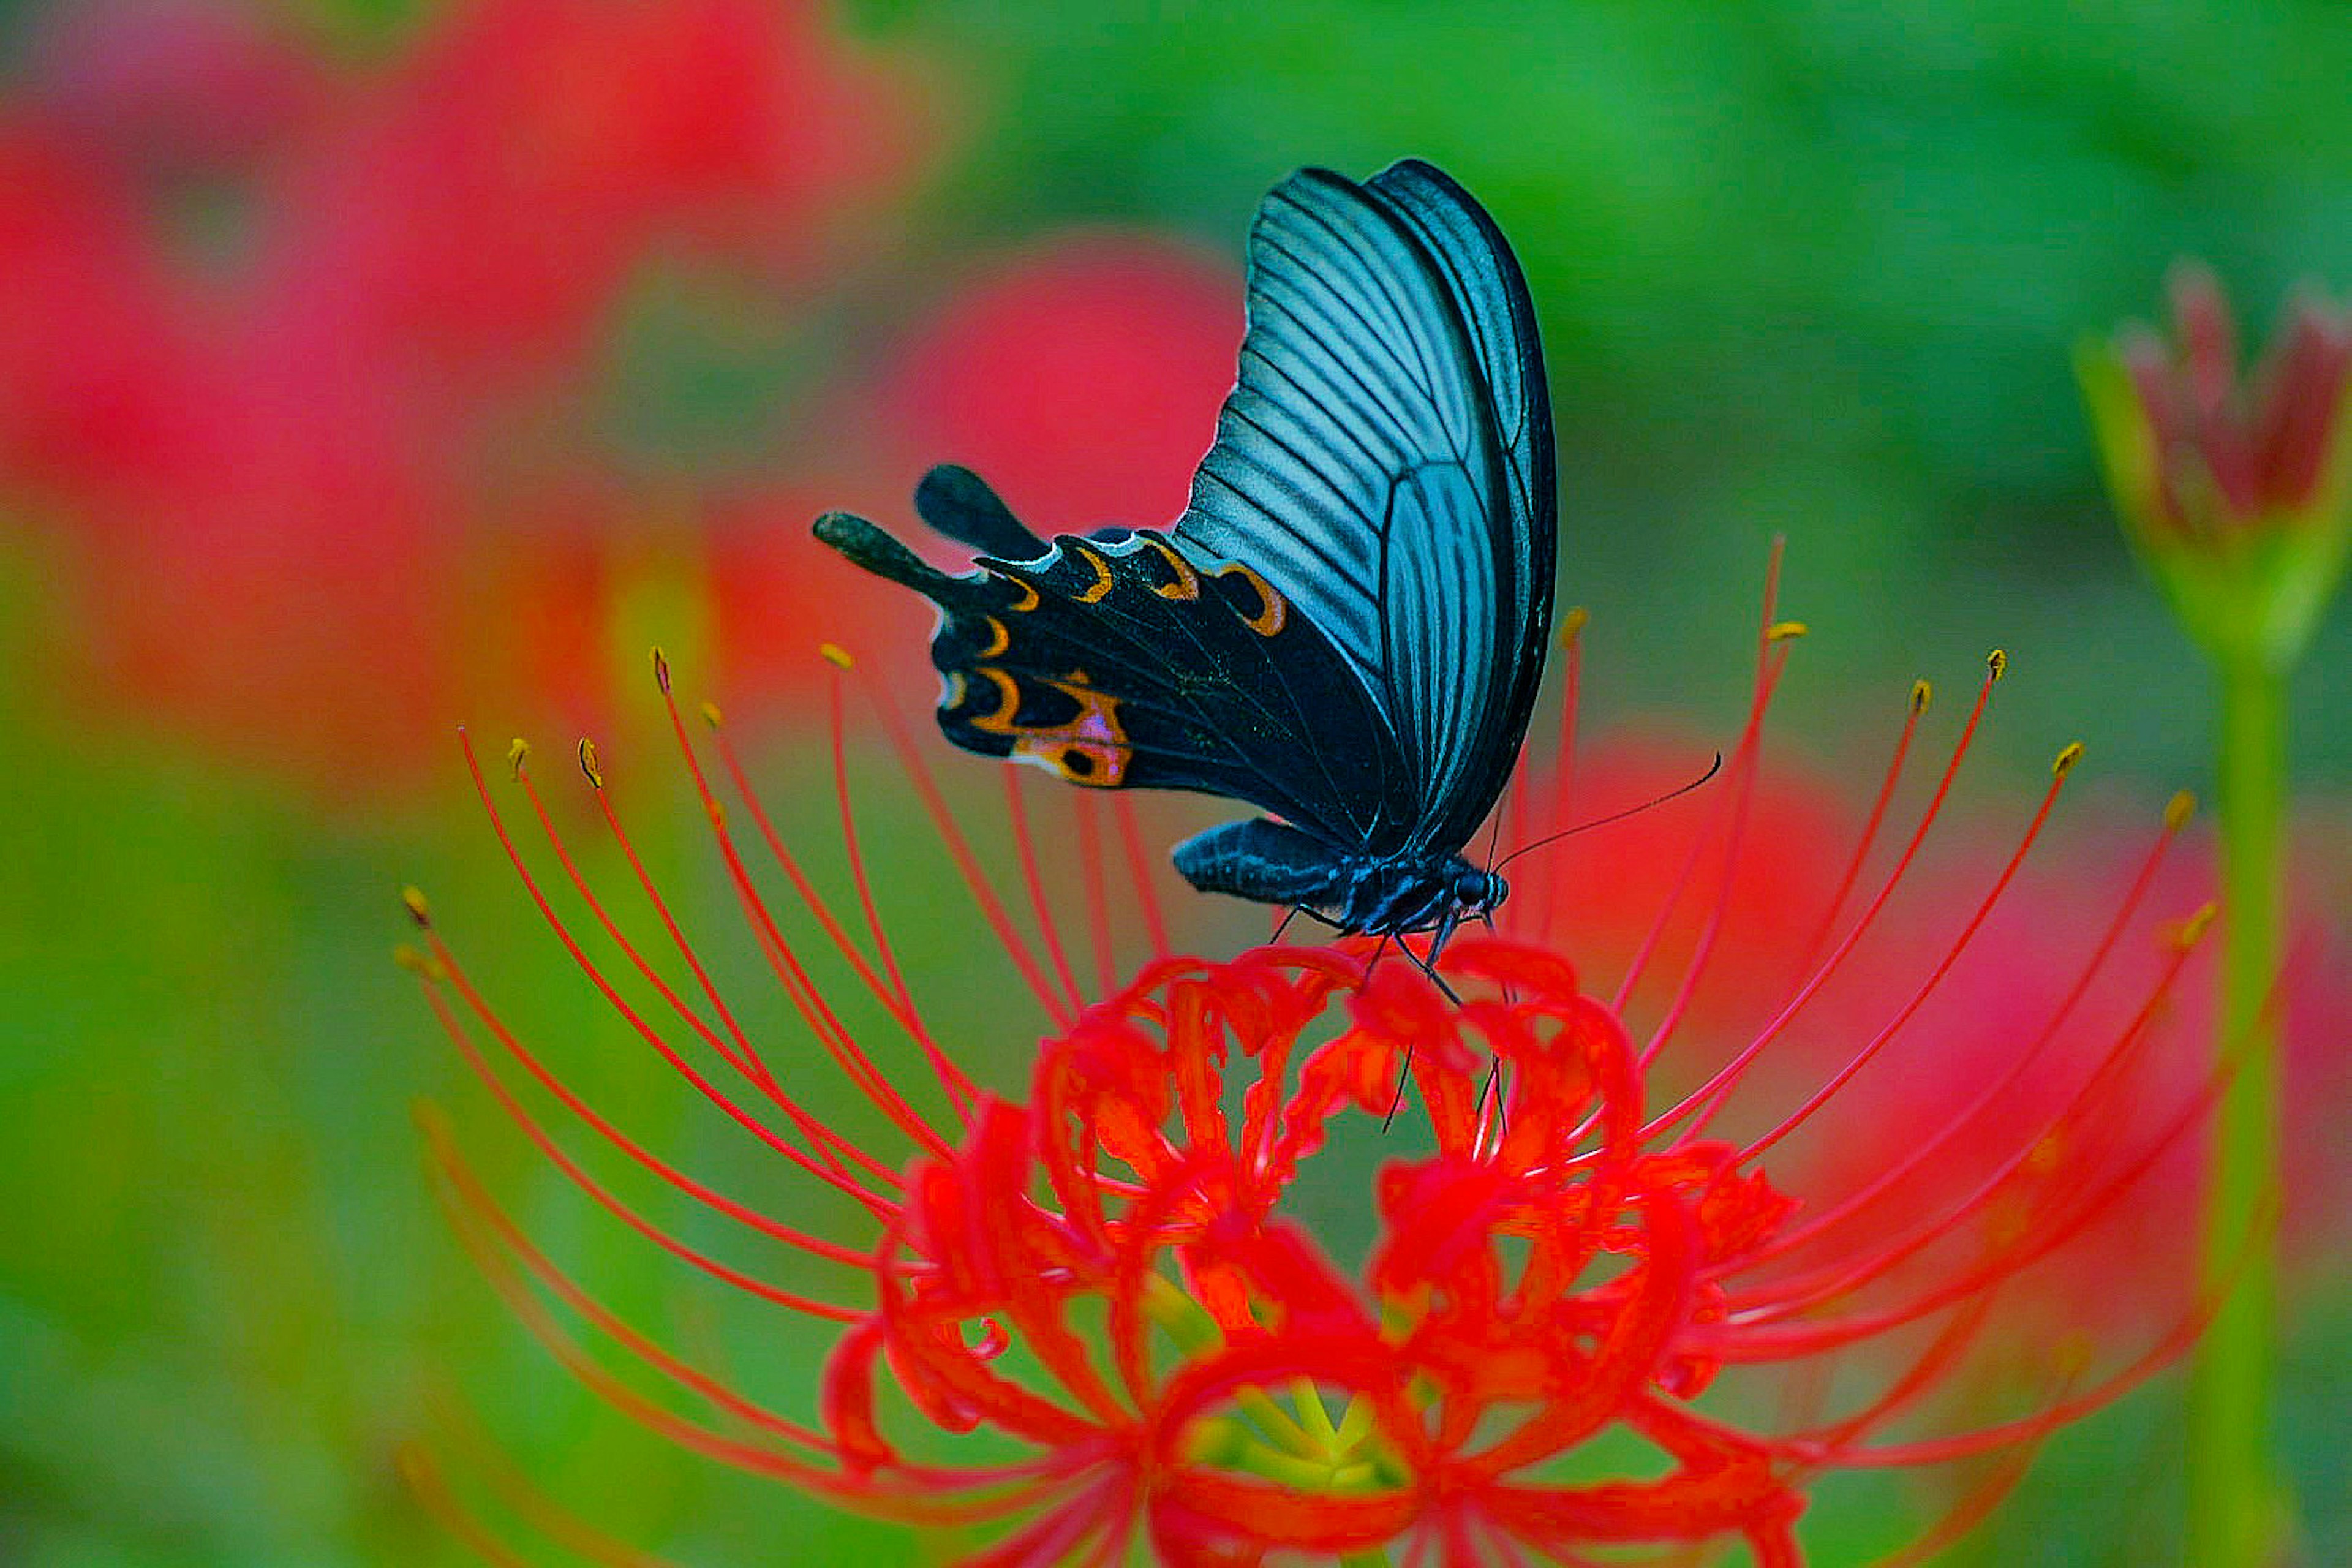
x=367, y=367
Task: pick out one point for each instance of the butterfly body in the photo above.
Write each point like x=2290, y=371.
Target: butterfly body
x=1347, y=626
x=1275, y=864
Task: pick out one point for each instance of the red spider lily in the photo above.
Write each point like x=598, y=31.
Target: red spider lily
x=1590, y=1325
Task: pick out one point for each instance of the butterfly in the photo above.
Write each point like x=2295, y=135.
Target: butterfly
x=1347, y=627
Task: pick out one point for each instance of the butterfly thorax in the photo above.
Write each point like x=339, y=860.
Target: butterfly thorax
x=1391, y=895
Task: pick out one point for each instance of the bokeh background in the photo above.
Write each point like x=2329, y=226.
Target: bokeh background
x=368, y=367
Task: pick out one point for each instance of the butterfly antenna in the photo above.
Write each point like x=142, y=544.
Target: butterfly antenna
x=1284, y=925
x=1680, y=790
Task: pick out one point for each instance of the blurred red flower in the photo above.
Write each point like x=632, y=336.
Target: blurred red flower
x=295, y=345
x=1081, y=380
x=1596, y=1310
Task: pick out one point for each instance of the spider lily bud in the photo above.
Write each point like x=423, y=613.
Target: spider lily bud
x=2231, y=484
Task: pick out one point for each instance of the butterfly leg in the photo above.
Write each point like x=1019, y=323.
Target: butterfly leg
x=1446, y=923
x=1495, y=1068
x=1317, y=916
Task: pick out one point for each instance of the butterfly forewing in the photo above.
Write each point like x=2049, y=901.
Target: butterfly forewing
x=1362, y=463
x=1491, y=292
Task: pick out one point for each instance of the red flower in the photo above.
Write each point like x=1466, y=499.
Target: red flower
x=478, y=208
x=1586, y=1317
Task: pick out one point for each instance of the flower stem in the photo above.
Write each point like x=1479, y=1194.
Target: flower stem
x=2238, y=1507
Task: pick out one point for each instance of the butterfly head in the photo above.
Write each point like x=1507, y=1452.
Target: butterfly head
x=1477, y=891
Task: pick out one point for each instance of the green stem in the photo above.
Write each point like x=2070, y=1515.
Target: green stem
x=2237, y=1506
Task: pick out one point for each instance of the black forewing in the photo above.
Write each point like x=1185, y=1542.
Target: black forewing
x=1385, y=460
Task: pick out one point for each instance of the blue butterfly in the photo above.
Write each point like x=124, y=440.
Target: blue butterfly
x=1348, y=624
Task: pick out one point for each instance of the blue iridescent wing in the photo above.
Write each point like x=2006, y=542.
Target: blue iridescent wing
x=1385, y=460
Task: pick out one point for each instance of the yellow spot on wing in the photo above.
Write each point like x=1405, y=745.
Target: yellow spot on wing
x=1028, y=599
x=999, y=637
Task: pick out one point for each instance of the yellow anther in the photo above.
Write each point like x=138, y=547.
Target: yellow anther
x=418, y=909
x=1997, y=662
x=1784, y=631
x=588, y=762
x=661, y=670
x=1571, y=624
x=2179, y=810
x=2066, y=760
x=832, y=652
x=416, y=961
x=1921, y=695
x=710, y=715
x=517, y=753
x=2192, y=930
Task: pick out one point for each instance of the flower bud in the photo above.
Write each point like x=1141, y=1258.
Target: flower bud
x=2231, y=485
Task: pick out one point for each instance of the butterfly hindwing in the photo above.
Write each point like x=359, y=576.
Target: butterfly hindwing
x=1125, y=659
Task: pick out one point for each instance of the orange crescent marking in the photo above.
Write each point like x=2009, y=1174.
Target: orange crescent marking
x=1028, y=599
x=1273, y=608
x=1102, y=577
x=1188, y=582
x=999, y=637
x=999, y=720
